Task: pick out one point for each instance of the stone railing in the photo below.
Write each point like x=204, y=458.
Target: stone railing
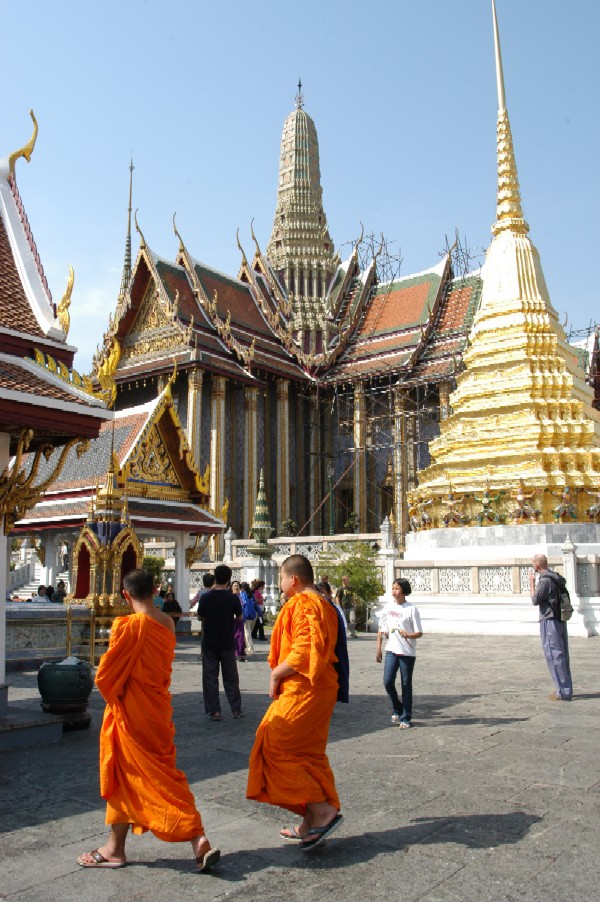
x=21, y=575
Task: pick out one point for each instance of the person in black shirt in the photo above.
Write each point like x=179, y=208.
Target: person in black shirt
x=218, y=609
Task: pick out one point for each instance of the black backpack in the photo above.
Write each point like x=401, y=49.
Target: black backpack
x=561, y=603
x=565, y=608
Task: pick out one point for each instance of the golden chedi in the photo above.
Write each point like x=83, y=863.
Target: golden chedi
x=522, y=443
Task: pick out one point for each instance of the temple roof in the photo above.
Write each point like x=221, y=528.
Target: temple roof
x=156, y=473
x=401, y=319
x=49, y=401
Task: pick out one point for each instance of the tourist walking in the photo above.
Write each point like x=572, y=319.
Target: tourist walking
x=258, y=630
x=400, y=624
x=250, y=615
x=346, y=600
x=288, y=764
x=239, y=638
x=138, y=774
x=553, y=631
x=217, y=610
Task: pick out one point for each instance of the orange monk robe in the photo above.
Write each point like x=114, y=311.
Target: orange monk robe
x=288, y=764
x=138, y=774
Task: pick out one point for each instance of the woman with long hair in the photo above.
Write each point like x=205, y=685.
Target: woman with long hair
x=238, y=627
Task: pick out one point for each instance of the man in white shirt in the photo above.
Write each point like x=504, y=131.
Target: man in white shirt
x=400, y=624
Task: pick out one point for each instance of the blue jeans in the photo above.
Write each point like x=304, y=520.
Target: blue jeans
x=406, y=665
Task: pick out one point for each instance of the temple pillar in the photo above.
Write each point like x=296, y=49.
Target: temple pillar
x=400, y=464
x=217, y=453
x=282, y=480
x=49, y=569
x=314, y=450
x=299, y=513
x=250, y=456
x=182, y=574
x=194, y=413
x=4, y=459
x=360, y=449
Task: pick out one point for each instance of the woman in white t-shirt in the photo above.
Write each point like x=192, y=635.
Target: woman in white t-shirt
x=401, y=625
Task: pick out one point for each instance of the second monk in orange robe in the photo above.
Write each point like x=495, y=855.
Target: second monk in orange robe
x=288, y=764
x=138, y=773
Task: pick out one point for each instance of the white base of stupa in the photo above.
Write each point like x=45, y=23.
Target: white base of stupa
x=501, y=543
x=475, y=581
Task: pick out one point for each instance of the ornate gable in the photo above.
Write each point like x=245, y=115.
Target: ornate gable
x=160, y=464
x=151, y=462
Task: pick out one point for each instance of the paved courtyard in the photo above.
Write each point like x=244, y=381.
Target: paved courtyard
x=494, y=796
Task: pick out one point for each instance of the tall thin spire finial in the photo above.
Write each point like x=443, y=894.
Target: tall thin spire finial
x=499, y=72
x=299, y=96
x=126, y=277
x=509, y=212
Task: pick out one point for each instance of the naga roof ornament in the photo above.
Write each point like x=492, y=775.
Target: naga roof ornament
x=27, y=150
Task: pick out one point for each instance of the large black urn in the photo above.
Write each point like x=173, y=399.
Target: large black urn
x=65, y=689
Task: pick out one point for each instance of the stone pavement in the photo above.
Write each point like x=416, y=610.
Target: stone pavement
x=495, y=795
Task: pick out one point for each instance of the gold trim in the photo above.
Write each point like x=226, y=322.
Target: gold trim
x=25, y=151
x=18, y=491
x=62, y=311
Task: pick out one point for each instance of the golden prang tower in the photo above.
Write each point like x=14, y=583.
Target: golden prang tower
x=522, y=442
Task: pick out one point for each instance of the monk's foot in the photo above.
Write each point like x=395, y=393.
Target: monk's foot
x=206, y=856
x=101, y=858
x=295, y=833
x=320, y=814
x=318, y=835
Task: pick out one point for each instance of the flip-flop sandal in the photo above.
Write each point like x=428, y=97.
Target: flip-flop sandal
x=206, y=862
x=321, y=833
x=290, y=834
x=100, y=861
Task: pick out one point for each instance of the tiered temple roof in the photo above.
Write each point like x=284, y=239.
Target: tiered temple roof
x=154, y=469
x=51, y=401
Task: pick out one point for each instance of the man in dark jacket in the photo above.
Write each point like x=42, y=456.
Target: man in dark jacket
x=546, y=595
x=217, y=610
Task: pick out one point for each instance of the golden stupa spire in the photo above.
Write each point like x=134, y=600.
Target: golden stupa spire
x=521, y=408
x=509, y=213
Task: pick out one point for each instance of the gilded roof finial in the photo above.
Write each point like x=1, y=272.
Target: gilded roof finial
x=24, y=151
x=254, y=238
x=181, y=244
x=241, y=249
x=62, y=310
x=139, y=231
x=299, y=96
x=126, y=277
x=509, y=213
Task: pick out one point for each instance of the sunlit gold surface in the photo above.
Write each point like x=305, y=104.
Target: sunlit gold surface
x=522, y=426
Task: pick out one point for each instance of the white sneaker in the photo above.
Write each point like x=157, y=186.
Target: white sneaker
x=395, y=718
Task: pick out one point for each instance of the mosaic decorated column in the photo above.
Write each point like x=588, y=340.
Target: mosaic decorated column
x=250, y=455
x=400, y=468
x=360, y=466
x=194, y=413
x=283, y=451
x=4, y=459
x=217, y=452
x=182, y=574
x=315, y=463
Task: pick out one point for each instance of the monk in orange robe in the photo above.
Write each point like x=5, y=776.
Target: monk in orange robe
x=288, y=764
x=138, y=774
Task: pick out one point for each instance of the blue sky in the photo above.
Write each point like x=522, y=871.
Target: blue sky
x=403, y=95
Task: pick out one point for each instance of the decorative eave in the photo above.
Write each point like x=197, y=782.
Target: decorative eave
x=163, y=406
x=23, y=252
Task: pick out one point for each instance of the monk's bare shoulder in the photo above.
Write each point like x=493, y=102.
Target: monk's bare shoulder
x=164, y=620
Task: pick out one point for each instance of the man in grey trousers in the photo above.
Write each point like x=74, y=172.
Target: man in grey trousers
x=553, y=631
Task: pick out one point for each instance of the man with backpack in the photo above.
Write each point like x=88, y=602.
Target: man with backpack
x=547, y=595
